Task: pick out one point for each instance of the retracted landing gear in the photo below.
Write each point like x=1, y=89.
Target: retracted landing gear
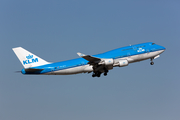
x=152, y=63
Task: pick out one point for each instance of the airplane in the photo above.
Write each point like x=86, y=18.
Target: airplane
x=97, y=64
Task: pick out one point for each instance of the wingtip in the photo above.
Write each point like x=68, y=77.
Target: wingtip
x=80, y=54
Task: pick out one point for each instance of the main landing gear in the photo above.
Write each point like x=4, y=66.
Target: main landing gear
x=152, y=63
x=98, y=74
x=105, y=72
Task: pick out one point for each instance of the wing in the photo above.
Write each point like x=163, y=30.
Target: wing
x=99, y=65
x=89, y=58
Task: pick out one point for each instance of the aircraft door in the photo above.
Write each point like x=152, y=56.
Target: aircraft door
x=147, y=50
x=128, y=54
x=53, y=69
x=134, y=47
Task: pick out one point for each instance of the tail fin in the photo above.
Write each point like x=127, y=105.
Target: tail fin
x=27, y=58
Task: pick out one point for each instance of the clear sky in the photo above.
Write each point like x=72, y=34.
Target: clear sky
x=56, y=30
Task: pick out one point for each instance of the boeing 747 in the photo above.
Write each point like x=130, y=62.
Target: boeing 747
x=97, y=64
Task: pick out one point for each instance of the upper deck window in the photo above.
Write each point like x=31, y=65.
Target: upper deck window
x=126, y=49
x=140, y=46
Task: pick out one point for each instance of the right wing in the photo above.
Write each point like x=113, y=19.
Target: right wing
x=99, y=65
x=89, y=58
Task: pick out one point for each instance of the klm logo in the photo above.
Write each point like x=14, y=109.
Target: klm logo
x=29, y=57
x=30, y=60
x=140, y=50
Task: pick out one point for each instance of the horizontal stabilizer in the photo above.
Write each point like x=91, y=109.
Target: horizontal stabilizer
x=33, y=70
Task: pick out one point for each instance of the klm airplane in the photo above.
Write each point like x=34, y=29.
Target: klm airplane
x=97, y=64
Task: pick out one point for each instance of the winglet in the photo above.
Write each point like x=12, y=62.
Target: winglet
x=88, y=57
x=80, y=54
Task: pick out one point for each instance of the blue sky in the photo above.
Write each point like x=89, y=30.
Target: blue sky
x=57, y=30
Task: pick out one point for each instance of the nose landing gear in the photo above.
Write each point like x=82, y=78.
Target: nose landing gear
x=152, y=63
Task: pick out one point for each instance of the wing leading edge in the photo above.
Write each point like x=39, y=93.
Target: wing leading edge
x=89, y=58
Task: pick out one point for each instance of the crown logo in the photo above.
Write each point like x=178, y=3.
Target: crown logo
x=29, y=56
x=140, y=50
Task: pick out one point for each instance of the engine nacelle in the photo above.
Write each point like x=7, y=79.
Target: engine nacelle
x=123, y=63
x=108, y=62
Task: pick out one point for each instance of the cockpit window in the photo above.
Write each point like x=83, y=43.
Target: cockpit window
x=153, y=43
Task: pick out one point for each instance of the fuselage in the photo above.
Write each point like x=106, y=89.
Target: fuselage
x=132, y=53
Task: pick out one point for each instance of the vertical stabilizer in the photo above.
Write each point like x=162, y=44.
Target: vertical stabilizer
x=27, y=58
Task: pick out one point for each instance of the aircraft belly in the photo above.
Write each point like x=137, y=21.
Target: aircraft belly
x=88, y=68
x=74, y=70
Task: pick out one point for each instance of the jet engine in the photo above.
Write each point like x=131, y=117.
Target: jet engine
x=107, y=62
x=123, y=63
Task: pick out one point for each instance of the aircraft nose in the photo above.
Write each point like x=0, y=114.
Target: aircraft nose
x=163, y=48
